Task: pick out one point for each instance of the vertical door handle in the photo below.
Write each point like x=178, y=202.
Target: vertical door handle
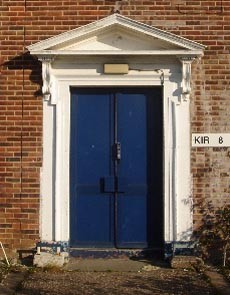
x=117, y=151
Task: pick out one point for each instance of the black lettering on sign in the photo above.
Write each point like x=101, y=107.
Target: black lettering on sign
x=221, y=140
x=197, y=139
x=206, y=139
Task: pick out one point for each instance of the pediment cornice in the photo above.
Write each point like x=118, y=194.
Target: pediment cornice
x=117, y=35
x=102, y=37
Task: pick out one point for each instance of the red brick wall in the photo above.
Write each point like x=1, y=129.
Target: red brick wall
x=24, y=22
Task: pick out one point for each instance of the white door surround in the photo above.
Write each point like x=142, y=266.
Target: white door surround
x=76, y=59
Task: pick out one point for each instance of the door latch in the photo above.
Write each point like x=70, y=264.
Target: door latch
x=117, y=151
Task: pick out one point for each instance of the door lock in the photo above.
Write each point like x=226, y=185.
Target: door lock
x=117, y=151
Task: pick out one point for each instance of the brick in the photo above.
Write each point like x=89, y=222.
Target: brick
x=21, y=138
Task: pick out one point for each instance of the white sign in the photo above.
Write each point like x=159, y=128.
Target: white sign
x=211, y=139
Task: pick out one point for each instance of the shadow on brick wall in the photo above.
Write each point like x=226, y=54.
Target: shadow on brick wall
x=26, y=68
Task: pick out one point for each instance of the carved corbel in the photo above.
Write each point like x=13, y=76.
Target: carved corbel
x=186, y=76
x=46, y=67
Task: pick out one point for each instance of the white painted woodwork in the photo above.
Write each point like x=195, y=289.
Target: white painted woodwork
x=76, y=58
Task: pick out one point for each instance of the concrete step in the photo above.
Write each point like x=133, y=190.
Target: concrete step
x=112, y=264
x=115, y=253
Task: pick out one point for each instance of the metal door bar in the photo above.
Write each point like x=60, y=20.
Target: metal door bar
x=115, y=166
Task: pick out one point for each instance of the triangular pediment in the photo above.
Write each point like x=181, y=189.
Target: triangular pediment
x=116, y=34
x=118, y=38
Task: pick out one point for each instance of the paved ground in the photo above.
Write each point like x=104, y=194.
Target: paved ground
x=112, y=277
x=156, y=282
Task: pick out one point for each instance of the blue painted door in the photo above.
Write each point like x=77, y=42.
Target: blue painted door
x=116, y=168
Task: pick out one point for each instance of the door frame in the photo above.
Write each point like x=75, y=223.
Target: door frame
x=76, y=58
x=176, y=139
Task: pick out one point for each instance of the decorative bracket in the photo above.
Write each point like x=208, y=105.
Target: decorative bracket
x=186, y=76
x=46, y=67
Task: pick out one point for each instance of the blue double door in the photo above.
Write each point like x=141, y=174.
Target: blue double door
x=116, y=168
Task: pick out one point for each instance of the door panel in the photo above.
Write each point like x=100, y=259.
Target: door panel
x=116, y=202
x=91, y=211
x=132, y=217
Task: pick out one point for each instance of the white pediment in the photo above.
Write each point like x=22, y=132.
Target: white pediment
x=116, y=34
x=118, y=39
